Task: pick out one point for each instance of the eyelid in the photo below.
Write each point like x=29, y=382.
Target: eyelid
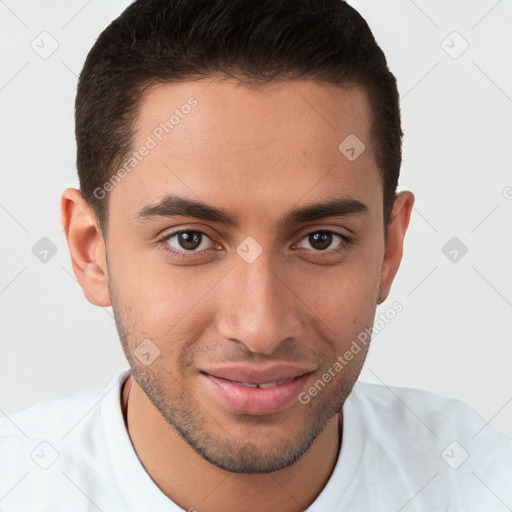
x=163, y=243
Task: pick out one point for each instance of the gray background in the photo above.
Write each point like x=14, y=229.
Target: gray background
x=453, y=335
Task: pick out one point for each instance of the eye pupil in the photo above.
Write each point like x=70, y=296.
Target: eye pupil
x=320, y=240
x=190, y=240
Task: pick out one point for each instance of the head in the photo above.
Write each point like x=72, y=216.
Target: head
x=238, y=163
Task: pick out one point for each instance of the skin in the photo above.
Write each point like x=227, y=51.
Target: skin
x=257, y=154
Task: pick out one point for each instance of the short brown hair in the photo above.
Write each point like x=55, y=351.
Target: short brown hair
x=256, y=41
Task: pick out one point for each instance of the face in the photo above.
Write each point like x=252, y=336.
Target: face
x=248, y=252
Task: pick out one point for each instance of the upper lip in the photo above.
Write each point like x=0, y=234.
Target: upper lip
x=257, y=374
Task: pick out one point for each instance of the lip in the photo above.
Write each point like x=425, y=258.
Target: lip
x=257, y=374
x=255, y=401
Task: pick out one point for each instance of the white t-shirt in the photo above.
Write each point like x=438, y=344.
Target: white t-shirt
x=403, y=450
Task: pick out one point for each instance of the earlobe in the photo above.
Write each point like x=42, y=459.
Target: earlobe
x=399, y=221
x=86, y=247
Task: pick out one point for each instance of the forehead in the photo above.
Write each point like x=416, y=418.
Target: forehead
x=226, y=143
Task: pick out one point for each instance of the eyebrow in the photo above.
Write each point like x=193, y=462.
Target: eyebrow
x=175, y=206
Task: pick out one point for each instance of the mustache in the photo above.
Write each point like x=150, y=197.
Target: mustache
x=287, y=353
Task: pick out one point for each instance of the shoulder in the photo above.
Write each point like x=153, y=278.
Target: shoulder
x=57, y=443
x=417, y=435
x=55, y=418
x=414, y=407
x=49, y=419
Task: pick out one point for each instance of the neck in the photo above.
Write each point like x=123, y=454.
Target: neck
x=193, y=483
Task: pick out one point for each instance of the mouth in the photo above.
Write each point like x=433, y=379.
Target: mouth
x=252, y=391
x=263, y=385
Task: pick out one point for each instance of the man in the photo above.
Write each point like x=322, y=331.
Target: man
x=238, y=166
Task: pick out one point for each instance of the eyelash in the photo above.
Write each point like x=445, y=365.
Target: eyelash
x=344, y=244
x=183, y=254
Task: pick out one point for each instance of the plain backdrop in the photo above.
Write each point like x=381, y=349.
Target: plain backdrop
x=453, y=337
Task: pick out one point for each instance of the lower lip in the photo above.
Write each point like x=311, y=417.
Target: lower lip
x=255, y=401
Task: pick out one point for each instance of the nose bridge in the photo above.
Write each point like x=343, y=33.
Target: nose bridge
x=260, y=310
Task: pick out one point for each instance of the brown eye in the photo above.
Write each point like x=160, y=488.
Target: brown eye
x=323, y=240
x=189, y=241
x=320, y=241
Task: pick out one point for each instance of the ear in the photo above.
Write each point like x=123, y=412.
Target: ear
x=398, y=223
x=86, y=247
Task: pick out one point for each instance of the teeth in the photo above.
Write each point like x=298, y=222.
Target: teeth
x=264, y=385
x=247, y=384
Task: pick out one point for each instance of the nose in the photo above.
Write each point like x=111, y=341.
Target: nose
x=259, y=307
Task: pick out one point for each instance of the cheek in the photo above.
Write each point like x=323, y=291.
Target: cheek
x=161, y=302
x=172, y=305
x=343, y=298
